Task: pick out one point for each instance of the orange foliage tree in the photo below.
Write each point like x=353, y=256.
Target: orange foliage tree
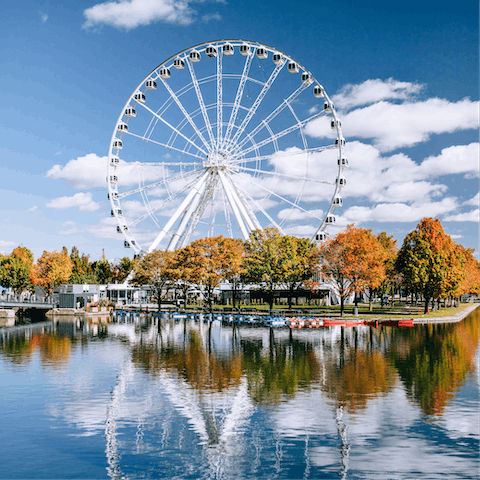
x=15, y=270
x=210, y=260
x=51, y=270
x=355, y=260
x=430, y=262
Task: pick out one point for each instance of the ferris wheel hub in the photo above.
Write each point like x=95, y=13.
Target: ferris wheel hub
x=217, y=158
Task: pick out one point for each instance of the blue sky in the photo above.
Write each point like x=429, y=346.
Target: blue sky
x=403, y=76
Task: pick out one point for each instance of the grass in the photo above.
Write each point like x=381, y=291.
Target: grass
x=387, y=312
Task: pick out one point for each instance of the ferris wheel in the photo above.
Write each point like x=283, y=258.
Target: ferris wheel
x=221, y=139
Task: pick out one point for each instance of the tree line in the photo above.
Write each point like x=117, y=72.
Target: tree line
x=429, y=265
x=19, y=272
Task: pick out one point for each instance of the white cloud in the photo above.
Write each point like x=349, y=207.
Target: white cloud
x=395, y=125
x=454, y=159
x=90, y=171
x=297, y=214
x=210, y=17
x=69, y=223
x=33, y=209
x=83, y=173
x=129, y=14
x=44, y=17
x=472, y=216
x=400, y=212
x=372, y=91
x=6, y=246
x=82, y=200
x=475, y=201
x=71, y=231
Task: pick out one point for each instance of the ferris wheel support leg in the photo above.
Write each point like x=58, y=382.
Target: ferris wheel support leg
x=178, y=212
x=230, y=195
x=188, y=215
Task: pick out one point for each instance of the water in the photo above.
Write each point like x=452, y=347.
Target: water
x=144, y=397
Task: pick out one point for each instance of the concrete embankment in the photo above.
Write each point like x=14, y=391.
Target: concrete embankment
x=7, y=318
x=451, y=319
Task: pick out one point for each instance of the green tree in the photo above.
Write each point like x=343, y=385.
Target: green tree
x=300, y=261
x=264, y=260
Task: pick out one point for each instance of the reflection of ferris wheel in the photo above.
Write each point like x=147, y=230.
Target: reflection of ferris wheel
x=222, y=139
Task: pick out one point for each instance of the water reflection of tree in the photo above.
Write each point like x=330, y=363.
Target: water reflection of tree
x=436, y=361
x=361, y=376
x=19, y=347
x=192, y=361
x=286, y=368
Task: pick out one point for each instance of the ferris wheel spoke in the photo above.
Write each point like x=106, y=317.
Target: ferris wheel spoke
x=170, y=147
x=272, y=115
x=278, y=135
x=143, y=188
x=233, y=204
x=283, y=175
x=185, y=113
x=261, y=209
x=271, y=192
x=276, y=155
x=186, y=217
x=238, y=97
x=258, y=101
x=201, y=103
x=172, y=128
x=209, y=191
x=243, y=197
x=178, y=212
x=219, y=97
x=166, y=201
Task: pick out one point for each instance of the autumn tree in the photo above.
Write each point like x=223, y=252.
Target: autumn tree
x=15, y=270
x=429, y=261
x=211, y=260
x=51, y=270
x=154, y=269
x=185, y=272
x=471, y=281
x=354, y=260
x=392, y=277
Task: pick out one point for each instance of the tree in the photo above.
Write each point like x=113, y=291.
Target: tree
x=51, y=270
x=211, y=260
x=82, y=268
x=355, y=260
x=184, y=271
x=264, y=260
x=392, y=278
x=300, y=260
x=15, y=270
x=120, y=269
x=428, y=261
x=154, y=269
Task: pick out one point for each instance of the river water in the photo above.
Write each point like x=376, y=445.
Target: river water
x=146, y=397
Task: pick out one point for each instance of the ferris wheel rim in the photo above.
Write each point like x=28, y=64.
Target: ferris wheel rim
x=201, y=48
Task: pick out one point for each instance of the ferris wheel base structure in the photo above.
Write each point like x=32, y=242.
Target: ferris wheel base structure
x=224, y=138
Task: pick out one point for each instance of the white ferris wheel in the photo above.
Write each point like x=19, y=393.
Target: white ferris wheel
x=221, y=139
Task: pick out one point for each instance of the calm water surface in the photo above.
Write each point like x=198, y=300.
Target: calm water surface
x=142, y=397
